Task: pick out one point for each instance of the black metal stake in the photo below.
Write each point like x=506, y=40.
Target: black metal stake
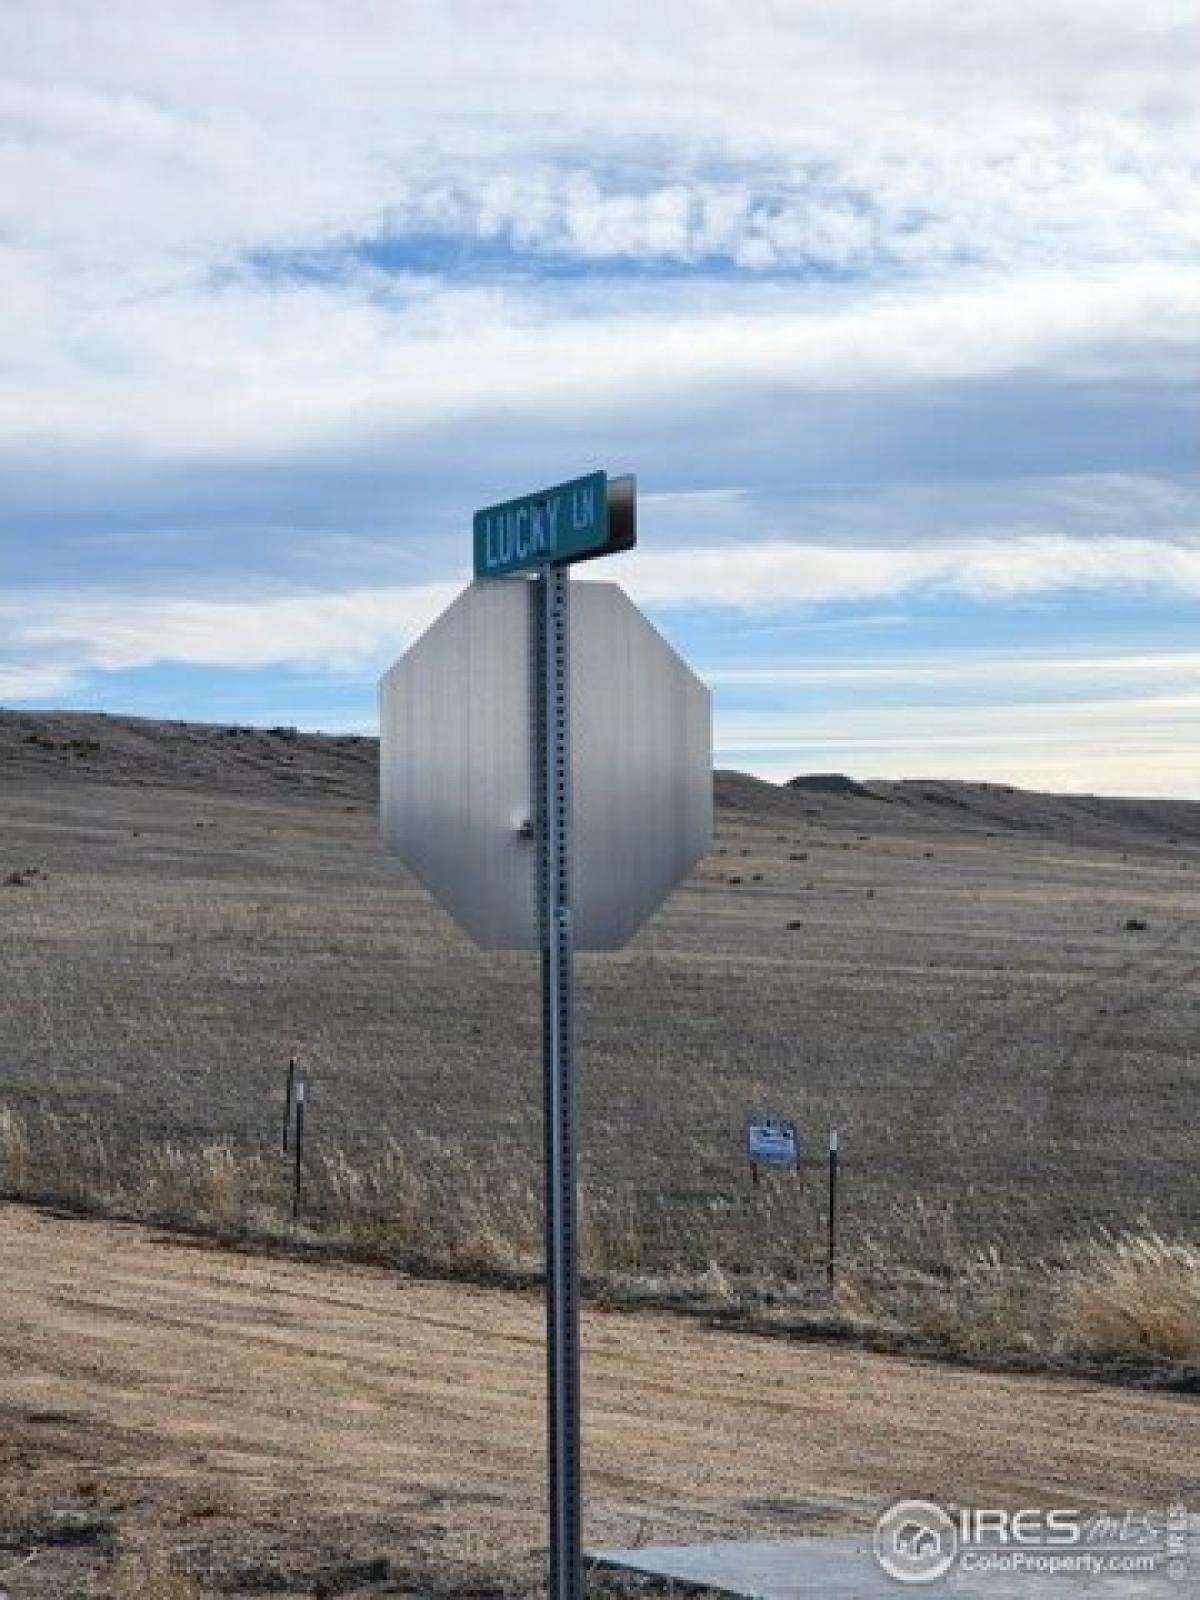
x=299, y=1163
x=288, y=1093
x=833, y=1197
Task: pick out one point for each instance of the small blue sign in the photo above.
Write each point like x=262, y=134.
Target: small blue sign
x=772, y=1143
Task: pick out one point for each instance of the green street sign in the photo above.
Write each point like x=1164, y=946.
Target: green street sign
x=575, y=521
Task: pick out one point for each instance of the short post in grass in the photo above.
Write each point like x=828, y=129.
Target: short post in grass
x=298, y=1164
x=834, y=1158
x=288, y=1096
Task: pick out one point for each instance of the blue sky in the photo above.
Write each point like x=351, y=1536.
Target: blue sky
x=894, y=311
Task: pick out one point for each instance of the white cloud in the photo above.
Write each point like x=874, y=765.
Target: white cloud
x=196, y=205
x=247, y=371
x=950, y=509
x=1115, y=722
x=148, y=153
x=33, y=683
x=996, y=671
x=1144, y=745
x=769, y=575
x=358, y=628
x=1155, y=717
x=104, y=632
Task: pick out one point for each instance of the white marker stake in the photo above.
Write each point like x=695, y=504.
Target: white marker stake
x=299, y=1100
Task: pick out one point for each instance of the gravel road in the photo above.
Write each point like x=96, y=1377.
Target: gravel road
x=260, y=1415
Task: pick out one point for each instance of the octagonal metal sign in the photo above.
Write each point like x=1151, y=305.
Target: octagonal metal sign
x=457, y=767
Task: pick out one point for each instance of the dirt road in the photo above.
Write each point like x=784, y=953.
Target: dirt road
x=268, y=1419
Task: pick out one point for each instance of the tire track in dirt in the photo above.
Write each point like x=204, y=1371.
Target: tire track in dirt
x=364, y=1395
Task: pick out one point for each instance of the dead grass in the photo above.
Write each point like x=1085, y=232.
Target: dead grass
x=1135, y=1297
x=177, y=949
x=14, y=1515
x=426, y=1205
x=150, y=1575
x=1131, y=1299
x=429, y=1209
x=14, y=1151
x=1012, y=1072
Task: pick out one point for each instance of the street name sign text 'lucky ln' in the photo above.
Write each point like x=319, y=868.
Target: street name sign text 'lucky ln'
x=546, y=772
x=575, y=521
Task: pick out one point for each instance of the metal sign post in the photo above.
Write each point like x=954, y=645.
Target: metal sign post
x=553, y=751
x=532, y=699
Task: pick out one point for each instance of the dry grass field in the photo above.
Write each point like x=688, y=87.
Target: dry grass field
x=994, y=995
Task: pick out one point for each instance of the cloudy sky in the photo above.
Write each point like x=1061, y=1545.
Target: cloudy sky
x=893, y=308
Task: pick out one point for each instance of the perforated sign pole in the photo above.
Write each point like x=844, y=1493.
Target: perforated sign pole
x=551, y=675
x=475, y=735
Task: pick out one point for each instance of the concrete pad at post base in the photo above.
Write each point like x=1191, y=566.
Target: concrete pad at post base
x=844, y=1568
